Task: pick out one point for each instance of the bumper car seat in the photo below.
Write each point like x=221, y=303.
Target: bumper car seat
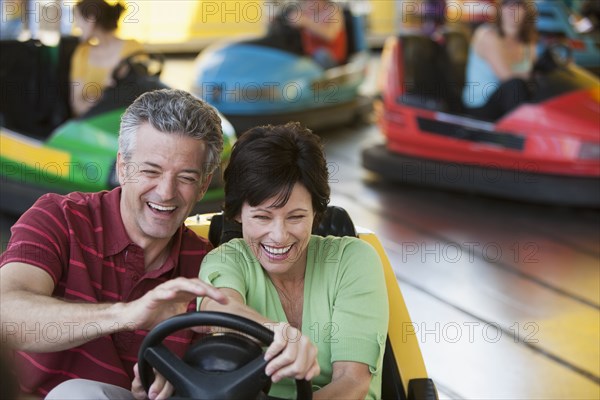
x=434, y=72
x=35, y=85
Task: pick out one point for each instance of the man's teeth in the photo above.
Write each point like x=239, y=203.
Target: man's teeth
x=276, y=250
x=161, y=208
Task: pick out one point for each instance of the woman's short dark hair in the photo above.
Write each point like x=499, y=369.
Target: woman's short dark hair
x=267, y=162
x=528, y=31
x=106, y=16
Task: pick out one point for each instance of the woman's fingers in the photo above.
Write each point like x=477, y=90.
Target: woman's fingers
x=297, y=361
x=291, y=355
x=279, y=341
x=314, y=370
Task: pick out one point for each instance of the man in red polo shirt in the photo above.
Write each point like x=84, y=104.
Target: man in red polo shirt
x=86, y=275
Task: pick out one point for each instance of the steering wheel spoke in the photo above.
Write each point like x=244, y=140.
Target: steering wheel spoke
x=181, y=375
x=251, y=378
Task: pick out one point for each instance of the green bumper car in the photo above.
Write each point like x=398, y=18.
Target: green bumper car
x=43, y=149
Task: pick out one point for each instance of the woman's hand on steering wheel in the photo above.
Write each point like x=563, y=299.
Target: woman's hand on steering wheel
x=291, y=355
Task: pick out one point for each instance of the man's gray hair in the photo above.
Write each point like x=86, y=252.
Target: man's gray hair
x=175, y=112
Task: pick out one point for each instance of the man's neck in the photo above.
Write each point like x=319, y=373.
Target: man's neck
x=156, y=254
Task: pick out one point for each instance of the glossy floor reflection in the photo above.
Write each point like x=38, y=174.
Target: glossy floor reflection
x=504, y=296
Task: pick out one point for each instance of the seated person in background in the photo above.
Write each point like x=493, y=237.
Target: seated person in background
x=323, y=31
x=329, y=289
x=86, y=274
x=98, y=54
x=500, y=61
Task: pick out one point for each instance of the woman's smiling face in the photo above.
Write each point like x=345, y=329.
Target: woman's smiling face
x=279, y=237
x=513, y=17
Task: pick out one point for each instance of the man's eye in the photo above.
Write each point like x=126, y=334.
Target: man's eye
x=188, y=179
x=149, y=172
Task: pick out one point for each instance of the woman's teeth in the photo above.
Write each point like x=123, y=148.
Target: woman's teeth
x=276, y=251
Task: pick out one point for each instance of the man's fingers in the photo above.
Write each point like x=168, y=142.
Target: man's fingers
x=189, y=288
x=166, y=392
x=202, y=329
x=157, y=386
x=136, y=386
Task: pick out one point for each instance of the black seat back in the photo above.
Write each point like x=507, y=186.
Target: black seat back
x=456, y=45
x=35, y=85
x=433, y=73
x=350, y=28
x=423, y=84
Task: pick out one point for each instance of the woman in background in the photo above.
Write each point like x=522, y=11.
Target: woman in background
x=98, y=53
x=500, y=62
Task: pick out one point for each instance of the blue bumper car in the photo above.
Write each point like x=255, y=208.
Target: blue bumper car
x=269, y=80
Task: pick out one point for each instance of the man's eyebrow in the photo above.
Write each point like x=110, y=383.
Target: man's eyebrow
x=192, y=171
x=187, y=170
x=151, y=164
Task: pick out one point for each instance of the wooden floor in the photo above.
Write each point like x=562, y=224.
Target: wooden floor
x=504, y=296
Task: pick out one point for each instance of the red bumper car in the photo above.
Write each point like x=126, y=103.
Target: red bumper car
x=547, y=150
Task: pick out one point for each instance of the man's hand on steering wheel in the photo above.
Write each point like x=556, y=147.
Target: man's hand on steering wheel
x=168, y=299
x=161, y=389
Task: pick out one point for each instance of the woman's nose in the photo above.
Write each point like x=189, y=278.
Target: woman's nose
x=279, y=231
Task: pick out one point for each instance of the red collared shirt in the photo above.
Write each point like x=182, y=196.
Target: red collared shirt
x=80, y=240
x=338, y=47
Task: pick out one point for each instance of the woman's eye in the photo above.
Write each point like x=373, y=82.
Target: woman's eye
x=296, y=217
x=261, y=217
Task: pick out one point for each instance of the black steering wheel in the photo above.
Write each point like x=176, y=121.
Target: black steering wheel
x=555, y=55
x=139, y=64
x=219, y=366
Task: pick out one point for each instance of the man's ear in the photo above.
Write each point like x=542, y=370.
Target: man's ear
x=204, y=187
x=120, y=167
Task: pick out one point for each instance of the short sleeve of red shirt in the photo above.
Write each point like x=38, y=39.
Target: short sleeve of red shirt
x=40, y=238
x=80, y=240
